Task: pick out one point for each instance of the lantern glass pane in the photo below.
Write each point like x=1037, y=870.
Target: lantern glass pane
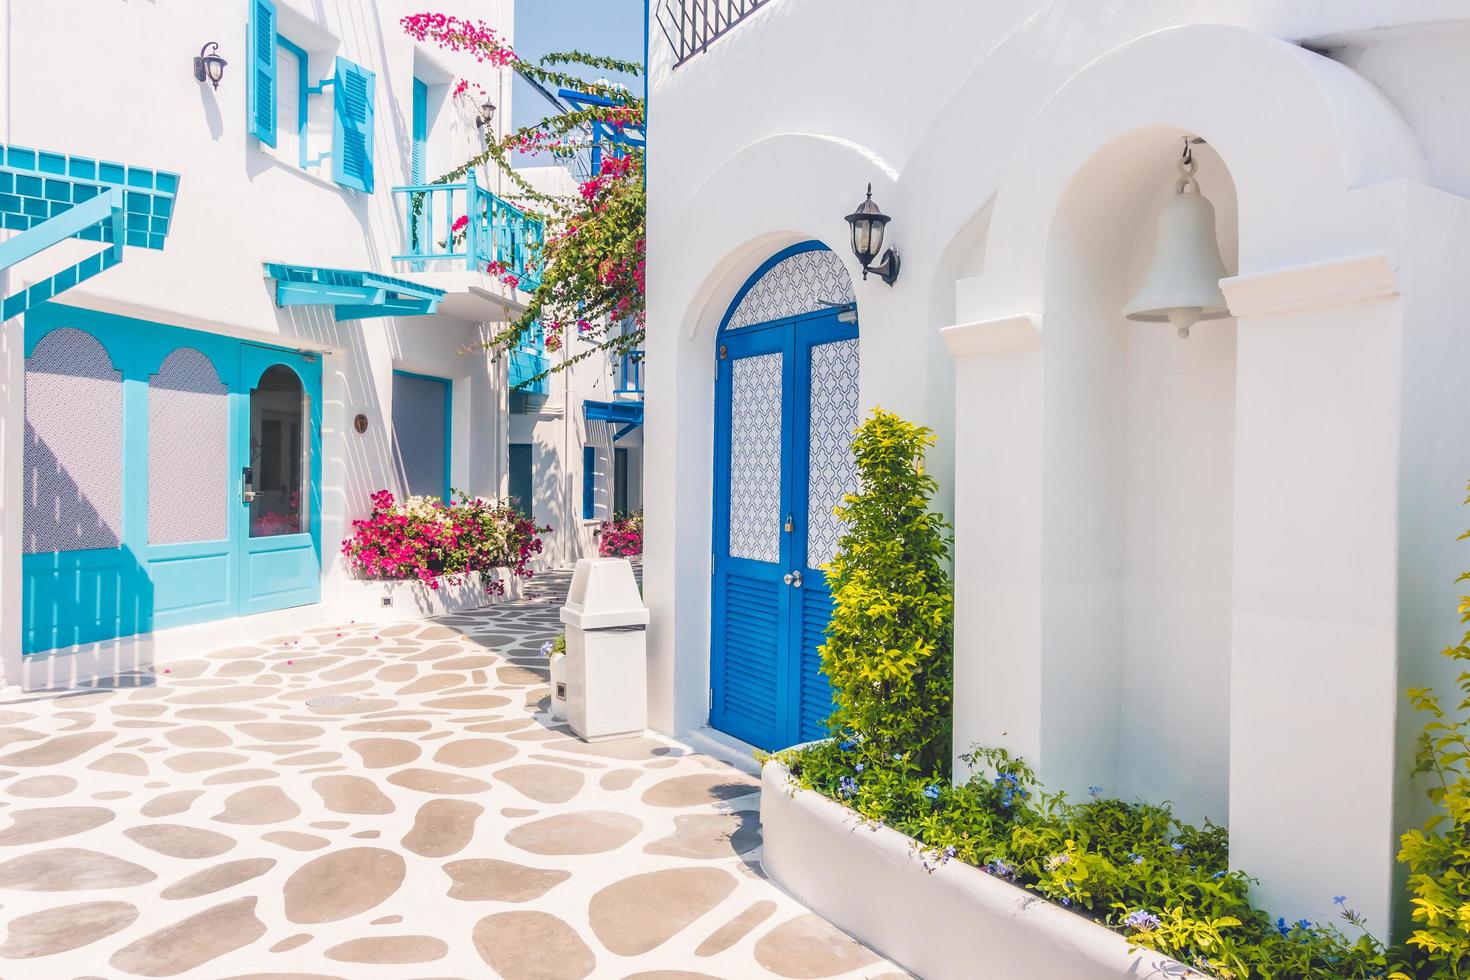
x=215, y=67
x=875, y=238
x=861, y=235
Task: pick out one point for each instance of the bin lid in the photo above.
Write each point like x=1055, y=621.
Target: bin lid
x=604, y=594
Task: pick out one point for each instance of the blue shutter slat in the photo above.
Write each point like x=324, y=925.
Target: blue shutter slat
x=352, y=131
x=816, y=694
x=748, y=622
x=420, y=132
x=261, y=83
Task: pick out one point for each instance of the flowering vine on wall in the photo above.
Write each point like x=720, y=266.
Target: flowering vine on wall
x=592, y=262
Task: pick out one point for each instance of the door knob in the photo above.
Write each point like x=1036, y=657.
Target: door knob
x=792, y=579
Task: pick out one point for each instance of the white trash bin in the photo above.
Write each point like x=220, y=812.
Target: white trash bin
x=606, y=659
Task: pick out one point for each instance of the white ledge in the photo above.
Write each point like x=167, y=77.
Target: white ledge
x=992, y=336
x=1332, y=283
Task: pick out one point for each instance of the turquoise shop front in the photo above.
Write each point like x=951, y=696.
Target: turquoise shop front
x=172, y=477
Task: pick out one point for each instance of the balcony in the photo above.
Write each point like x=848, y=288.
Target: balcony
x=630, y=375
x=691, y=26
x=465, y=224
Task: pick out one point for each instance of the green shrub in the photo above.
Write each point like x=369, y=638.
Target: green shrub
x=1438, y=856
x=889, y=653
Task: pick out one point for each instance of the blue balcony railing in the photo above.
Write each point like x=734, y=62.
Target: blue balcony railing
x=492, y=230
x=630, y=374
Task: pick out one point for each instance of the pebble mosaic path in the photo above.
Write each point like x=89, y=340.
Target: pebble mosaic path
x=220, y=820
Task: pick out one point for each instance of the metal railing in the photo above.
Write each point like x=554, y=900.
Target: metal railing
x=693, y=25
x=464, y=222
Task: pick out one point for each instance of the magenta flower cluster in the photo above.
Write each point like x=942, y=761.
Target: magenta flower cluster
x=621, y=538
x=433, y=541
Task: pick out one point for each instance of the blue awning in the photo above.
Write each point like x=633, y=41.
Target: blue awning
x=615, y=418
x=353, y=295
x=46, y=197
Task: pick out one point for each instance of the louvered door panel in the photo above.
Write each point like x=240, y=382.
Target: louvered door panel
x=747, y=695
x=815, y=695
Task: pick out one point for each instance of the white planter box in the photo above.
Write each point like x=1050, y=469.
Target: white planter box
x=364, y=599
x=956, y=922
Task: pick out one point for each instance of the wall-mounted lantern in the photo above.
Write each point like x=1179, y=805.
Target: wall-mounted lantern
x=1182, y=286
x=867, y=240
x=485, y=114
x=209, y=66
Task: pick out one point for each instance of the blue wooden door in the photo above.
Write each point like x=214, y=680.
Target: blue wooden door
x=277, y=510
x=786, y=406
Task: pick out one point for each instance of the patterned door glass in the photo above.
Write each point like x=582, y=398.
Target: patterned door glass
x=278, y=454
x=73, y=445
x=755, y=458
x=832, y=472
x=188, y=448
x=803, y=283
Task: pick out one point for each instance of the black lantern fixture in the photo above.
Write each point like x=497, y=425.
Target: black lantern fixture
x=867, y=240
x=209, y=67
x=485, y=115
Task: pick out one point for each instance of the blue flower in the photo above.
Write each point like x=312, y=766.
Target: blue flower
x=1142, y=921
x=949, y=852
x=1066, y=901
x=1136, y=858
x=1218, y=875
x=1282, y=927
x=847, y=786
x=859, y=767
x=847, y=745
x=1178, y=847
x=1094, y=791
x=999, y=867
x=546, y=648
x=1339, y=899
x=898, y=757
x=932, y=791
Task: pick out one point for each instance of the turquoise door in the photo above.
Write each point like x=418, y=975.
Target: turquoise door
x=279, y=472
x=136, y=436
x=786, y=404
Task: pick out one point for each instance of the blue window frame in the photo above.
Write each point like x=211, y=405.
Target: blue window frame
x=589, y=482
x=422, y=410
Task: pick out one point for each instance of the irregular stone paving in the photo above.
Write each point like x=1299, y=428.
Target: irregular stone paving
x=215, y=818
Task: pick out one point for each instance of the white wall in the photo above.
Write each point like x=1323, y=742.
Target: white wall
x=1194, y=570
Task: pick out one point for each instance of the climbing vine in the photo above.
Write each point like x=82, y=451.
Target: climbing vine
x=592, y=263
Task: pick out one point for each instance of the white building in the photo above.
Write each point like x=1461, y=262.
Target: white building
x=1199, y=570
x=187, y=435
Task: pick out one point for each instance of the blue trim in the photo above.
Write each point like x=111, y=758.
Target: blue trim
x=589, y=482
x=629, y=415
x=448, y=384
x=353, y=295
x=303, y=66
x=766, y=266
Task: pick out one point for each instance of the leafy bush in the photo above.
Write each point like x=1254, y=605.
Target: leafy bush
x=429, y=540
x=889, y=654
x=621, y=537
x=1133, y=867
x=1438, y=856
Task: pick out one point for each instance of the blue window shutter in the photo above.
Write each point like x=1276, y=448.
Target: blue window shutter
x=420, y=132
x=589, y=481
x=352, y=130
x=261, y=83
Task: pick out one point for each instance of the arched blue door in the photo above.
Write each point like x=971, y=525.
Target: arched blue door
x=786, y=404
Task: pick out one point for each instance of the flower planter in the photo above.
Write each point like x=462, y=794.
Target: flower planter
x=956, y=921
x=410, y=599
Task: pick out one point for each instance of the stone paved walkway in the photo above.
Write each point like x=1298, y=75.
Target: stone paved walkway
x=217, y=819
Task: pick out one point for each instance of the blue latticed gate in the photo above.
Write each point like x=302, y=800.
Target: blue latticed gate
x=786, y=406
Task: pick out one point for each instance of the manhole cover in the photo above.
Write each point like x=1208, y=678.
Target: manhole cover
x=332, y=701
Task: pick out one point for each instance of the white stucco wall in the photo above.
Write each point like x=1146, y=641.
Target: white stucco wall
x=1200, y=571
x=127, y=94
